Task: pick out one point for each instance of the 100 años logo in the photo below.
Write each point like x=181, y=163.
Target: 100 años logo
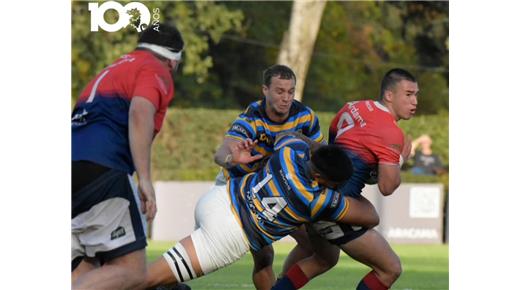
x=134, y=14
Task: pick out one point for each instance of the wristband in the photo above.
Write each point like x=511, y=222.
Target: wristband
x=401, y=160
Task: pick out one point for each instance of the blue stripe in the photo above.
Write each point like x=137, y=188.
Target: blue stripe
x=292, y=200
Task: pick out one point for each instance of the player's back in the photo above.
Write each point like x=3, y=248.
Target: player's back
x=100, y=117
x=276, y=200
x=370, y=135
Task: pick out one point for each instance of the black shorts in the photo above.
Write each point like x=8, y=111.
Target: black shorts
x=106, y=221
x=337, y=233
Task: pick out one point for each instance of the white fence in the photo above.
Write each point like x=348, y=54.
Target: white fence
x=412, y=214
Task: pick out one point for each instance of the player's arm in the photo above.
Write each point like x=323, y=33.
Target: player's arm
x=389, y=178
x=141, y=132
x=331, y=205
x=389, y=175
x=234, y=151
x=360, y=212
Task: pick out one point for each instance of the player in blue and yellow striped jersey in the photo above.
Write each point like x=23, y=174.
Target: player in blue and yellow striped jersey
x=253, y=211
x=263, y=120
x=277, y=112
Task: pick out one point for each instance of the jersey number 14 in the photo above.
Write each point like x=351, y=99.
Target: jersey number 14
x=272, y=204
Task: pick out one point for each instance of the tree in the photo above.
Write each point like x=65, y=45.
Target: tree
x=298, y=42
x=200, y=23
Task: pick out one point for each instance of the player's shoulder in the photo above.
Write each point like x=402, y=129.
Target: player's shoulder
x=299, y=108
x=253, y=110
x=146, y=60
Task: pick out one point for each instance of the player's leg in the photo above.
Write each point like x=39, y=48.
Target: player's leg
x=179, y=264
x=324, y=257
x=302, y=250
x=217, y=242
x=374, y=251
x=108, y=226
x=124, y=272
x=263, y=274
x=82, y=265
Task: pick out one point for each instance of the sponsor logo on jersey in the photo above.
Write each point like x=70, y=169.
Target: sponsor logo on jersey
x=335, y=199
x=354, y=111
x=240, y=129
x=266, y=139
x=80, y=119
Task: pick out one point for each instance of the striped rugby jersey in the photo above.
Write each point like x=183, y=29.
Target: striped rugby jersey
x=273, y=202
x=254, y=123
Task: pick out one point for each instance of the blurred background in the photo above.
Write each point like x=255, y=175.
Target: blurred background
x=229, y=44
x=339, y=52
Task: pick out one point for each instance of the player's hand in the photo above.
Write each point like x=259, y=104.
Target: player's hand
x=407, y=148
x=147, y=196
x=241, y=152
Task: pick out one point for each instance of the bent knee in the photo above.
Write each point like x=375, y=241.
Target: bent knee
x=326, y=261
x=393, y=270
x=264, y=258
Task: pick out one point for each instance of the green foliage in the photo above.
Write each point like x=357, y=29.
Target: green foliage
x=185, y=146
x=200, y=23
x=359, y=41
x=229, y=44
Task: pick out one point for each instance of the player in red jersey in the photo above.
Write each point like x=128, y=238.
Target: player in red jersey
x=368, y=131
x=113, y=125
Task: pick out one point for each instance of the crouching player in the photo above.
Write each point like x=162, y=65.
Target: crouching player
x=294, y=187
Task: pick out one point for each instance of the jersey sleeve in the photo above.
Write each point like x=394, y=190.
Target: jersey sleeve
x=153, y=84
x=387, y=147
x=314, y=129
x=242, y=128
x=330, y=205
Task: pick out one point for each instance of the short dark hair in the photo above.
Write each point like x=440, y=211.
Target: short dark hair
x=332, y=163
x=278, y=70
x=392, y=77
x=163, y=34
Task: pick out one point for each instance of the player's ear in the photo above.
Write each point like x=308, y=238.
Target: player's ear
x=265, y=90
x=388, y=96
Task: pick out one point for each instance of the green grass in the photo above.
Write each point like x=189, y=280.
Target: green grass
x=425, y=267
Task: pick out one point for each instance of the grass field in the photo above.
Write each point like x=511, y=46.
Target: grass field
x=425, y=267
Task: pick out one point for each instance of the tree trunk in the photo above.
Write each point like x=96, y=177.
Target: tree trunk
x=298, y=41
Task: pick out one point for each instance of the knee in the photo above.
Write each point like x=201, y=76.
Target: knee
x=326, y=262
x=394, y=270
x=264, y=258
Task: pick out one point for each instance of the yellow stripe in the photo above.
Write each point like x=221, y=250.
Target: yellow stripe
x=321, y=199
x=294, y=178
x=287, y=209
x=320, y=138
x=261, y=229
x=262, y=151
x=283, y=127
x=345, y=211
x=258, y=205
